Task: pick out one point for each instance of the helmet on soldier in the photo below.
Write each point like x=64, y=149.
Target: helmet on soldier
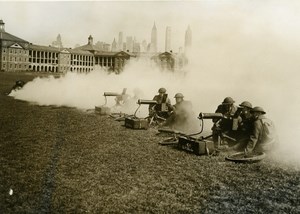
x=162, y=90
x=258, y=109
x=178, y=95
x=228, y=101
x=246, y=104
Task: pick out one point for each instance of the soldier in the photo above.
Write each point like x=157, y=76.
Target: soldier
x=224, y=125
x=245, y=115
x=163, y=108
x=242, y=122
x=263, y=136
x=182, y=114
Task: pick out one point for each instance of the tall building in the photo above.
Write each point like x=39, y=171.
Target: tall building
x=168, y=39
x=114, y=46
x=188, y=39
x=120, y=41
x=129, y=43
x=153, y=46
x=144, y=46
x=57, y=43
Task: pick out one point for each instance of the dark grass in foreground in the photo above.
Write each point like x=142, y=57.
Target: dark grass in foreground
x=63, y=160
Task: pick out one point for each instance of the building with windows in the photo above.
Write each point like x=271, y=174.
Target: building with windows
x=169, y=61
x=14, y=54
x=17, y=55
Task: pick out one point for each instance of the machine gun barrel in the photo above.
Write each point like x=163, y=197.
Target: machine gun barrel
x=111, y=94
x=211, y=116
x=147, y=102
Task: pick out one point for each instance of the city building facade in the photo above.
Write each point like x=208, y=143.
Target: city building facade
x=18, y=55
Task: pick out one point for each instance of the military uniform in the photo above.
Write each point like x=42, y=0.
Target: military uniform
x=163, y=108
x=181, y=116
x=224, y=125
x=256, y=141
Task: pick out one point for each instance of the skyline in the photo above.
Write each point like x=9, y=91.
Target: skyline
x=84, y=18
x=213, y=23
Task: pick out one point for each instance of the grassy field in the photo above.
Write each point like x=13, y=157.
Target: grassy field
x=63, y=160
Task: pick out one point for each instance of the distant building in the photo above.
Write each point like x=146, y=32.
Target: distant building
x=144, y=46
x=153, y=46
x=114, y=46
x=14, y=53
x=169, y=61
x=168, y=39
x=106, y=47
x=136, y=47
x=18, y=55
x=57, y=43
x=188, y=39
x=129, y=43
x=112, y=61
x=120, y=41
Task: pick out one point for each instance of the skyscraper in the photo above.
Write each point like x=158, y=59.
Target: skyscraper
x=57, y=43
x=114, y=46
x=168, y=39
x=120, y=41
x=153, y=47
x=129, y=43
x=188, y=39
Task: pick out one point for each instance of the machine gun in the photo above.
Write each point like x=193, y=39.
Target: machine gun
x=139, y=123
x=201, y=145
x=219, y=135
x=104, y=109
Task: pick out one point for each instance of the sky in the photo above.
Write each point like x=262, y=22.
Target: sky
x=40, y=22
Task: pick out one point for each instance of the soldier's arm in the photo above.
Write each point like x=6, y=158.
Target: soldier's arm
x=254, y=137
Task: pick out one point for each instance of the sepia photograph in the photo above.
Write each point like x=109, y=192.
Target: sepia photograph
x=150, y=106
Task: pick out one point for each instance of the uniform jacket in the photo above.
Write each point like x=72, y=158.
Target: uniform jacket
x=256, y=141
x=159, y=100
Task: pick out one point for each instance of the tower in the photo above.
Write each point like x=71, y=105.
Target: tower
x=168, y=39
x=90, y=40
x=2, y=26
x=188, y=39
x=129, y=43
x=154, y=39
x=57, y=43
x=114, y=46
x=120, y=41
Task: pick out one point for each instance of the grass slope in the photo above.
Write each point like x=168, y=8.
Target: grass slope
x=63, y=160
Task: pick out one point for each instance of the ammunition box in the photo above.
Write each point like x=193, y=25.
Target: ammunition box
x=102, y=110
x=198, y=147
x=136, y=123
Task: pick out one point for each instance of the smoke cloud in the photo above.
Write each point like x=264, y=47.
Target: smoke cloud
x=249, y=52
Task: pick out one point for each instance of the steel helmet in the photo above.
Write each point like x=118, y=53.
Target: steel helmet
x=228, y=101
x=179, y=95
x=246, y=104
x=162, y=90
x=258, y=109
